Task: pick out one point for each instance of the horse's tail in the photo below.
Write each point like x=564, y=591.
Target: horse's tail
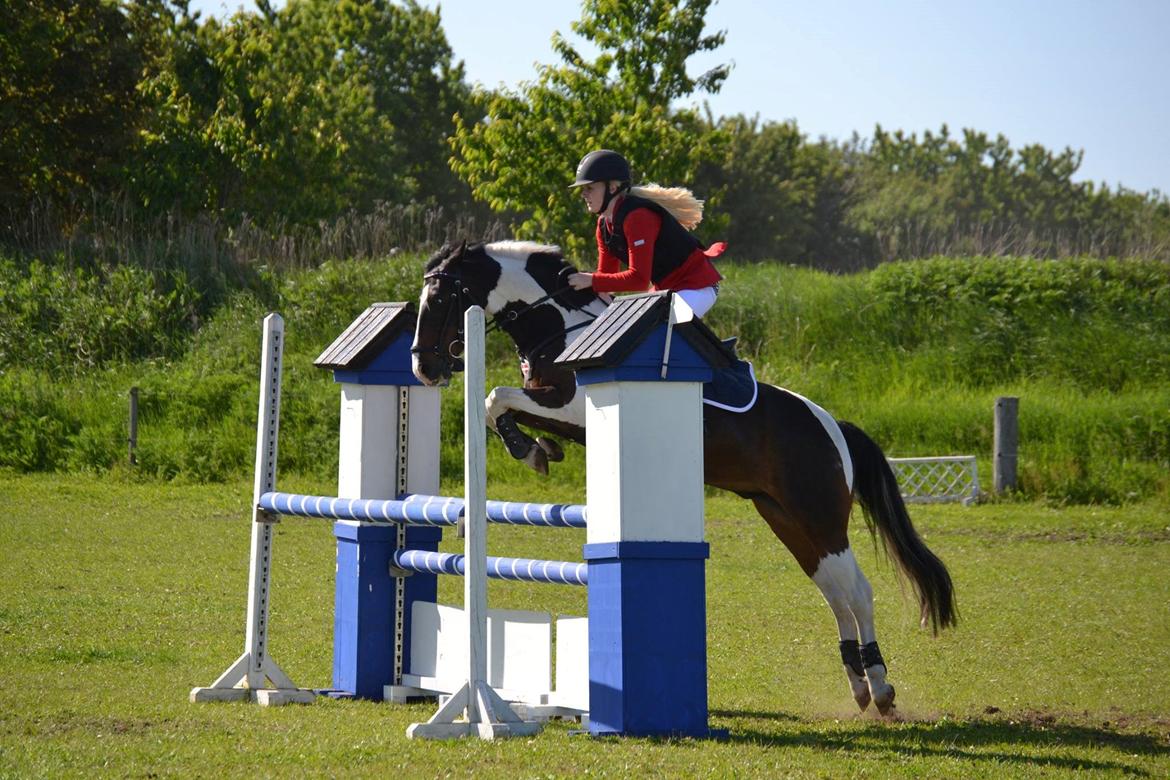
x=885, y=513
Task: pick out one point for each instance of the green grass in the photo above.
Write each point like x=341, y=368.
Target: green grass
x=120, y=597
x=916, y=353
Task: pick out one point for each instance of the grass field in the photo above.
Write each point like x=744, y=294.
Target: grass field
x=121, y=597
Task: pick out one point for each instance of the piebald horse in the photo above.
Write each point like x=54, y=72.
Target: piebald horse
x=800, y=468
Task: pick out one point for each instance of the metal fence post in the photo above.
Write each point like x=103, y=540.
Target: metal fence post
x=133, y=440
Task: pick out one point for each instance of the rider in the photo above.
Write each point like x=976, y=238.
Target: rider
x=647, y=229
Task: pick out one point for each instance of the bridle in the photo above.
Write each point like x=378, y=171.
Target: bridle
x=453, y=360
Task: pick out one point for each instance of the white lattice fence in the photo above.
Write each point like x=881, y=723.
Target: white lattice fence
x=936, y=480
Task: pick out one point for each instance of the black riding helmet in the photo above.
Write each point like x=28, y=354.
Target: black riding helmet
x=602, y=165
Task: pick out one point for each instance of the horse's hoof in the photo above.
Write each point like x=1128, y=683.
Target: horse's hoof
x=884, y=699
x=862, y=698
x=537, y=460
x=551, y=448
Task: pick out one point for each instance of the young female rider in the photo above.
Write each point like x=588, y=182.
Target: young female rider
x=647, y=229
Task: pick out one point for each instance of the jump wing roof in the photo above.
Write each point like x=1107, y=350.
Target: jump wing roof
x=366, y=337
x=627, y=322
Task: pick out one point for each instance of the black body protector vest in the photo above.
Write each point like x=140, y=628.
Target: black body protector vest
x=671, y=249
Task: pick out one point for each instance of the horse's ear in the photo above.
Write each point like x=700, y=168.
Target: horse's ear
x=462, y=249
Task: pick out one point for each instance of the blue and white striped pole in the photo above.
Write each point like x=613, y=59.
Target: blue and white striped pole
x=421, y=510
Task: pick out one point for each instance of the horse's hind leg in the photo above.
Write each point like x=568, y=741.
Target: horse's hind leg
x=841, y=583
x=836, y=577
x=851, y=598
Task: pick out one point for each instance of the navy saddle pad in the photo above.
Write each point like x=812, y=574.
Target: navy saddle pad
x=732, y=388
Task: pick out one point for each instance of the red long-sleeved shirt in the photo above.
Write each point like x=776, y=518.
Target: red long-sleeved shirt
x=641, y=227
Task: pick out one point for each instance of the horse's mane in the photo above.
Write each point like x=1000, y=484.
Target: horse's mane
x=521, y=250
x=512, y=250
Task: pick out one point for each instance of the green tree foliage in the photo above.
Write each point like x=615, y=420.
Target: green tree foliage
x=849, y=205
x=125, y=122
x=974, y=194
x=302, y=113
x=68, y=108
x=521, y=158
x=288, y=115
x=783, y=197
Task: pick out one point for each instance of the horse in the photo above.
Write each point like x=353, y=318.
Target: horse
x=801, y=468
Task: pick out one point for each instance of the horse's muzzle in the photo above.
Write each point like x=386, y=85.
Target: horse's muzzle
x=431, y=369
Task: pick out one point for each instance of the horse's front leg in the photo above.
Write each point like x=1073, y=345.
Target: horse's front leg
x=540, y=407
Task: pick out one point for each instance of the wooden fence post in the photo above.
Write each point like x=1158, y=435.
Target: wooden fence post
x=133, y=425
x=1007, y=441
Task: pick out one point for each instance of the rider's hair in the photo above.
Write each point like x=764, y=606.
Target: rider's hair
x=679, y=201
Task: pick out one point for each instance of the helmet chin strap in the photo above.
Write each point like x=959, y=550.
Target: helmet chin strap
x=611, y=195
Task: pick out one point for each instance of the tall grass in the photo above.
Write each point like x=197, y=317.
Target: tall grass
x=108, y=229
x=915, y=353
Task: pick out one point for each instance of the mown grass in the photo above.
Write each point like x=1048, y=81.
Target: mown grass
x=120, y=597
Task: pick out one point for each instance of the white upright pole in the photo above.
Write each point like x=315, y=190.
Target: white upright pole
x=475, y=503
x=248, y=676
x=484, y=713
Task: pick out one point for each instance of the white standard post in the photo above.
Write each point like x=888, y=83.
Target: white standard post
x=484, y=713
x=645, y=548
x=389, y=445
x=248, y=676
x=475, y=514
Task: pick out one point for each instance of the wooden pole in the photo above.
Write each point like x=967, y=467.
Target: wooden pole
x=1007, y=440
x=133, y=425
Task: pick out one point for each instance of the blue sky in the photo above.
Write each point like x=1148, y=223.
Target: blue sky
x=1088, y=74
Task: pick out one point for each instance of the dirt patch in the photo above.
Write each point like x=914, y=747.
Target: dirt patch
x=1067, y=536
x=68, y=722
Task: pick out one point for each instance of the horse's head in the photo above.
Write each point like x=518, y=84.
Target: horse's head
x=457, y=277
x=521, y=285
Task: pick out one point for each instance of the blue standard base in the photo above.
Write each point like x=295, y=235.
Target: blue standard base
x=363, y=606
x=647, y=639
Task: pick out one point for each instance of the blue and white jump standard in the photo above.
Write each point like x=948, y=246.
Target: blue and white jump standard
x=388, y=446
x=645, y=547
x=644, y=673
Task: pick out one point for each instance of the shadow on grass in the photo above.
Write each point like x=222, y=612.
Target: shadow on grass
x=976, y=740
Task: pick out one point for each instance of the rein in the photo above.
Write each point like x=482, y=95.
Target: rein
x=536, y=350
x=515, y=315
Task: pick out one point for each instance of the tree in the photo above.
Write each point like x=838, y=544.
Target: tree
x=403, y=54
x=187, y=153
x=521, y=158
x=68, y=105
x=783, y=197
x=298, y=114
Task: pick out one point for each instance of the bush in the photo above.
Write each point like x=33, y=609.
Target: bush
x=58, y=318
x=915, y=353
